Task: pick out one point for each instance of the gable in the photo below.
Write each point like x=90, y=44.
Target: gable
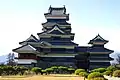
x=31, y=38
x=98, y=40
x=56, y=29
x=98, y=37
x=25, y=49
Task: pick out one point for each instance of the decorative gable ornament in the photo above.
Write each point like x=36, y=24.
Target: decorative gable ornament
x=56, y=28
x=99, y=37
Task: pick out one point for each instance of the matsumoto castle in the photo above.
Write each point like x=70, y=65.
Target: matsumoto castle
x=56, y=47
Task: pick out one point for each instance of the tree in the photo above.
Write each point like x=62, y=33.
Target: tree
x=10, y=59
x=116, y=59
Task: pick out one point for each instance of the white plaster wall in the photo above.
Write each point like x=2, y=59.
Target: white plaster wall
x=58, y=12
x=26, y=61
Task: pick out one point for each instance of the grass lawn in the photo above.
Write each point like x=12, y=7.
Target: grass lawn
x=43, y=77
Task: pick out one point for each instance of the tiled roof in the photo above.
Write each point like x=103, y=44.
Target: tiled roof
x=27, y=41
x=30, y=39
x=54, y=33
x=99, y=49
x=98, y=38
x=85, y=49
x=27, y=45
x=53, y=23
x=56, y=9
x=63, y=43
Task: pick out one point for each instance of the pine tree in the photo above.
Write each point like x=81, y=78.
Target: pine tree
x=10, y=59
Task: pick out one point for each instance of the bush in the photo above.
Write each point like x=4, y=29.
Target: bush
x=28, y=72
x=116, y=73
x=54, y=67
x=101, y=70
x=78, y=71
x=107, y=73
x=83, y=74
x=111, y=68
x=49, y=70
x=99, y=78
x=36, y=70
x=43, y=72
x=71, y=70
x=93, y=75
x=62, y=69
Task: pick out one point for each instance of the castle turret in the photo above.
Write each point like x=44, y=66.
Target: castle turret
x=99, y=55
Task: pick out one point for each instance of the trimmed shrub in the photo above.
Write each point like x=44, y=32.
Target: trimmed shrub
x=107, y=73
x=83, y=74
x=54, y=67
x=62, y=69
x=116, y=73
x=111, y=68
x=28, y=72
x=36, y=70
x=49, y=70
x=78, y=71
x=43, y=72
x=71, y=70
x=99, y=78
x=93, y=75
x=101, y=70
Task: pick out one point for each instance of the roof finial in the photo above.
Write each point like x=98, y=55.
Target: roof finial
x=64, y=9
x=98, y=34
x=49, y=10
x=50, y=7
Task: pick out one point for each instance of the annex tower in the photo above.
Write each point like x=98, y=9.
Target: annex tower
x=55, y=46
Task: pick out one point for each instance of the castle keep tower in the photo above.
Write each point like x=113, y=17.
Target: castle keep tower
x=55, y=45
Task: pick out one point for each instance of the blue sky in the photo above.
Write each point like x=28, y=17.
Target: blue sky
x=21, y=18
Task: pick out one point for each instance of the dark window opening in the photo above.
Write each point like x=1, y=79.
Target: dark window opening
x=56, y=38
